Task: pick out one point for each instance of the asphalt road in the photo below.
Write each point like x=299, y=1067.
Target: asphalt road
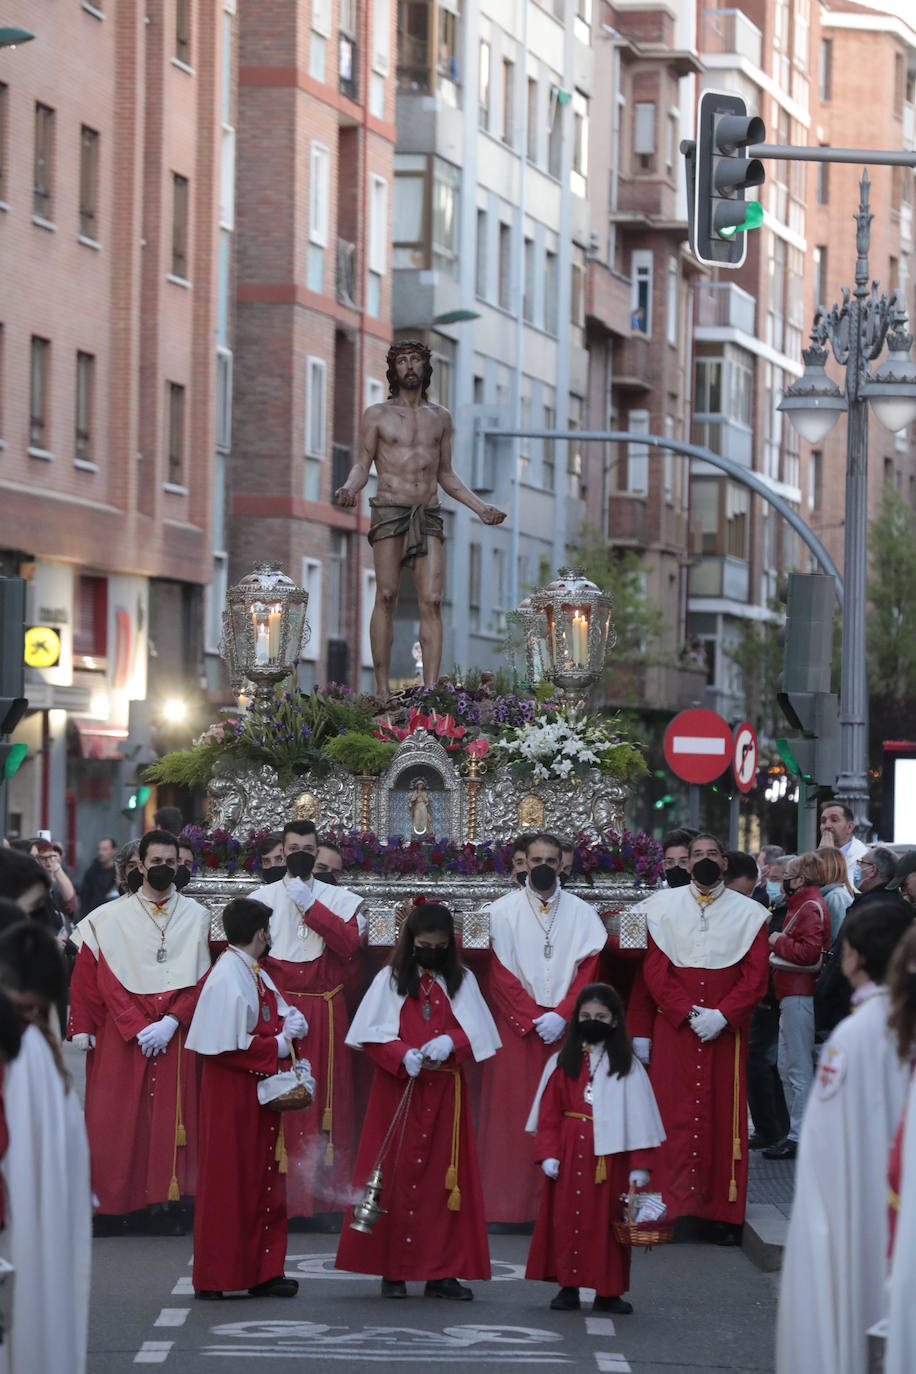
x=697, y=1308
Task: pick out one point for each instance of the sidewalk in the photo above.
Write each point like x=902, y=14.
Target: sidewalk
x=771, y=1185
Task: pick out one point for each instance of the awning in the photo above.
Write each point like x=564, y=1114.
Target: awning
x=98, y=741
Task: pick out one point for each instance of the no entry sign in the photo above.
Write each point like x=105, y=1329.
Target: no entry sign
x=698, y=745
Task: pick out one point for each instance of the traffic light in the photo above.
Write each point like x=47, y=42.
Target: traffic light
x=137, y=800
x=805, y=696
x=721, y=213
x=13, y=705
x=11, y=756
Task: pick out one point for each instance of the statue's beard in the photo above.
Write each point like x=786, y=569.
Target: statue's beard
x=411, y=382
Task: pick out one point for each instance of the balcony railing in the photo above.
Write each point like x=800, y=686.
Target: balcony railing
x=722, y=305
x=346, y=274
x=729, y=32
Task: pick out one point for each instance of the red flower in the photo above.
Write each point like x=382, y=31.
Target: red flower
x=211, y=860
x=420, y=900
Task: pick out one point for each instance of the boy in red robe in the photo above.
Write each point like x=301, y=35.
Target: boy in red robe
x=243, y=1029
x=421, y=1019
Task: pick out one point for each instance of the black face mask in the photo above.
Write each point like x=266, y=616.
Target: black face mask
x=787, y=887
x=300, y=863
x=273, y=875
x=520, y=876
x=134, y=880
x=430, y=958
x=182, y=876
x=595, y=1032
x=677, y=876
x=542, y=877
x=326, y=878
x=160, y=877
x=707, y=872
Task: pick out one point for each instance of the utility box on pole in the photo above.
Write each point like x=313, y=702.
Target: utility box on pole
x=805, y=696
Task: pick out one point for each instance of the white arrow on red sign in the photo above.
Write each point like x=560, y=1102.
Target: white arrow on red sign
x=698, y=745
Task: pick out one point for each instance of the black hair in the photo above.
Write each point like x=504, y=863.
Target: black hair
x=299, y=828
x=707, y=835
x=19, y=872
x=156, y=837
x=742, y=865
x=270, y=842
x=329, y=844
x=10, y=1029
x=842, y=807
x=32, y=966
x=168, y=818
x=520, y=843
x=11, y=913
x=408, y=346
x=405, y=972
x=243, y=917
x=544, y=838
x=619, y=1046
x=677, y=839
x=875, y=932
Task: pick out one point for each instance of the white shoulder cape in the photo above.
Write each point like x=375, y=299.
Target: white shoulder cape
x=716, y=935
x=624, y=1111
x=127, y=936
x=285, y=942
x=378, y=1015
x=518, y=942
x=832, y=1287
x=49, y=1215
x=226, y=1014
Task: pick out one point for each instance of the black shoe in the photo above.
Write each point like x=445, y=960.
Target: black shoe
x=726, y=1233
x=279, y=1287
x=166, y=1221
x=567, y=1300
x=783, y=1149
x=104, y=1224
x=447, y=1288
x=612, y=1304
x=208, y=1294
x=760, y=1142
x=394, y=1288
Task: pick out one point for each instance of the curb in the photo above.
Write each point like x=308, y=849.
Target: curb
x=764, y=1236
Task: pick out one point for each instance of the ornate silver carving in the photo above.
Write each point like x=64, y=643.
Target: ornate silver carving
x=419, y=755
x=241, y=802
x=591, y=805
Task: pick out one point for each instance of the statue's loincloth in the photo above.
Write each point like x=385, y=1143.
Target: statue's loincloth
x=416, y=524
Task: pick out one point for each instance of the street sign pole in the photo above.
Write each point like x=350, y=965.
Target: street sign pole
x=693, y=806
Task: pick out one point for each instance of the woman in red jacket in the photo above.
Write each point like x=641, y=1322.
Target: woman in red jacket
x=797, y=956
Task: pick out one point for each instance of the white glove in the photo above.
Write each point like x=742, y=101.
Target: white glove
x=413, y=1062
x=298, y=891
x=551, y=1167
x=83, y=1041
x=294, y=1024
x=154, y=1038
x=549, y=1026
x=642, y=1048
x=439, y=1049
x=707, y=1023
x=282, y=1046
x=639, y=1178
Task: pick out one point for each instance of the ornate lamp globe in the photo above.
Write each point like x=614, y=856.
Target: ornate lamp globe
x=577, y=631
x=814, y=402
x=891, y=389
x=264, y=628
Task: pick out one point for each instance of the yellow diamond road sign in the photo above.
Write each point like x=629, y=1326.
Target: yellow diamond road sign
x=42, y=646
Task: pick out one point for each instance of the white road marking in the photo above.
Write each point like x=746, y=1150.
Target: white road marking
x=612, y=1364
x=696, y=744
x=183, y=1288
x=177, y=1316
x=321, y=1266
x=471, y=1344
x=153, y=1352
x=599, y=1326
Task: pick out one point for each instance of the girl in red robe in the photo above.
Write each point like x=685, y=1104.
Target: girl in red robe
x=596, y=1126
x=421, y=1019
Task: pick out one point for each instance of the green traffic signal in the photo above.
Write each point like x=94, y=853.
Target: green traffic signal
x=752, y=220
x=139, y=798
x=12, y=755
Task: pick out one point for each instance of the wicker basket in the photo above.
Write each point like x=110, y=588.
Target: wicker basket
x=647, y=1233
x=295, y=1098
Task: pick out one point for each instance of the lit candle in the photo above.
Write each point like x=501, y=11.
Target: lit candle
x=273, y=634
x=580, y=640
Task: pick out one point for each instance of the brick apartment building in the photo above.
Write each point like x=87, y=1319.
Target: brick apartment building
x=113, y=130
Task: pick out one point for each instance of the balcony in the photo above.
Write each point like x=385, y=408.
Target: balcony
x=346, y=274
x=725, y=578
x=608, y=299
x=640, y=523
x=724, y=436
x=655, y=686
x=723, y=305
x=631, y=363
x=728, y=33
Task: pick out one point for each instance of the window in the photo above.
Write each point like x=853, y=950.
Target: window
x=214, y=601
x=551, y=292
x=4, y=120
x=579, y=174
x=504, y=286
x=638, y=454
x=44, y=153
x=90, y=630
x=89, y=182
x=378, y=237
x=483, y=86
x=577, y=288
x=38, y=393
x=508, y=129
x=644, y=130
x=574, y=489
x=498, y=591
x=183, y=31
x=446, y=183
x=315, y=382
x=555, y=135
x=899, y=83
x=820, y=274
x=548, y=452
x=825, y=69
x=179, y=226
x=85, y=395
x=531, y=121
x=176, y=435
x=223, y=399
x=481, y=266
x=447, y=65
x=408, y=215
x=319, y=184
x=641, y=291
x=823, y=183
x=671, y=304
x=311, y=582
x=335, y=619
x=816, y=478
x=528, y=297
x=381, y=36
x=671, y=145
x=707, y=399
x=474, y=580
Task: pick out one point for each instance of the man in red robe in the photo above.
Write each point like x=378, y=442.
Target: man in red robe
x=545, y=947
x=315, y=931
x=134, y=988
x=705, y=969
x=243, y=1030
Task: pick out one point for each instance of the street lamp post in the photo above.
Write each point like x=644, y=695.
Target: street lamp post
x=856, y=332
